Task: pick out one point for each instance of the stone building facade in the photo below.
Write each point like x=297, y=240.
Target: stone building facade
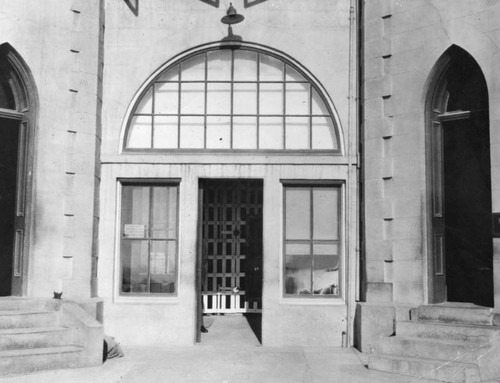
x=177, y=169
x=311, y=165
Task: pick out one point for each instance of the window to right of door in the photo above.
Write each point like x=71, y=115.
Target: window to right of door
x=312, y=240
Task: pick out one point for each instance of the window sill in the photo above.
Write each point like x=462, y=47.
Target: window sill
x=146, y=300
x=313, y=301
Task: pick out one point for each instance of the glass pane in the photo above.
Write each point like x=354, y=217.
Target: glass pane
x=193, y=98
x=271, y=99
x=297, y=274
x=270, y=133
x=192, y=132
x=163, y=267
x=245, y=65
x=326, y=248
x=297, y=98
x=297, y=213
x=134, y=263
x=298, y=249
x=326, y=275
x=245, y=98
x=244, y=132
x=139, y=134
x=135, y=211
x=323, y=133
x=193, y=69
x=145, y=105
x=164, y=212
x=219, y=65
x=271, y=69
x=7, y=100
x=293, y=75
x=166, y=98
x=170, y=75
x=297, y=133
x=218, y=132
x=325, y=213
x=318, y=106
x=219, y=98
x=166, y=132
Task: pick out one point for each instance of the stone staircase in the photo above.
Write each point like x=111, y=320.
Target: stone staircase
x=42, y=334
x=446, y=342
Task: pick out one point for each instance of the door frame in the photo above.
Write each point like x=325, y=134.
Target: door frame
x=14, y=70
x=435, y=115
x=200, y=248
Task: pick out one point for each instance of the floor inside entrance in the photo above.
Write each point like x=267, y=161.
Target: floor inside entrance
x=231, y=330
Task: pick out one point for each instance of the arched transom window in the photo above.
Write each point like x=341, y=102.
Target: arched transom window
x=232, y=99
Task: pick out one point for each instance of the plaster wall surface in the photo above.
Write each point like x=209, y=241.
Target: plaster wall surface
x=58, y=42
x=172, y=320
x=403, y=42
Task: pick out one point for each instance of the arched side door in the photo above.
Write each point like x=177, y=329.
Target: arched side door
x=16, y=112
x=461, y=184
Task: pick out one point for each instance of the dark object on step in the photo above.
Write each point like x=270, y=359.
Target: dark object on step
x=111, y=349
x=203, y=329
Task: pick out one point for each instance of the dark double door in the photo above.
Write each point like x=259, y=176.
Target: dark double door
x=463, y=252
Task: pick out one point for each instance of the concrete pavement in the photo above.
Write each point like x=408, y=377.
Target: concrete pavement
x=229, y=353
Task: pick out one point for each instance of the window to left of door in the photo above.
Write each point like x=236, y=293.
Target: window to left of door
x=149, y=239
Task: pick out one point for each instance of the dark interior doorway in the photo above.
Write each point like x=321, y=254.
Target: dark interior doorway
x=230, y=259
x=467, y=189
x=9, y=143
x=462, y=247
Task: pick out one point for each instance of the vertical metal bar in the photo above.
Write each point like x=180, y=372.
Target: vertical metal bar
x=284, y=106
x=310, y=116
x=150, y=243
x=232, y=101
x=311, y=224
x=179, y=90
x=153, y=96
x=205, y=56
x=258, y=100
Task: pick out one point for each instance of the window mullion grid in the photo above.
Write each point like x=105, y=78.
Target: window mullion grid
x=179, y=89
x=205, y=101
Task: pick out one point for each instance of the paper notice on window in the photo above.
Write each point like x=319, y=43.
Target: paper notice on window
x=134, y=231
x=158, y=263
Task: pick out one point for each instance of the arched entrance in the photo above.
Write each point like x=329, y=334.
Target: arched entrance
x=16, y=116
x=459, y=156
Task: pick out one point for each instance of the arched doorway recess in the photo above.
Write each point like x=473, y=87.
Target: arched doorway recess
x=460, y=182
x=16, y=141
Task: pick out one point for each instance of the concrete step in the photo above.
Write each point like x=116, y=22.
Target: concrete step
x=30, y=360
x=440, y=370
x=453, y=331
x=440, y=349
x=21, y=303
x=27, y=318
x=464, y=313
x=35, y=337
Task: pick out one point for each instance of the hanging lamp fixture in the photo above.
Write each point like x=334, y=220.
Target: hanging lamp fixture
x=232, y=17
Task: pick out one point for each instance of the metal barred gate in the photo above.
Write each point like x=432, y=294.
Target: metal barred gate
x=232, y=246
